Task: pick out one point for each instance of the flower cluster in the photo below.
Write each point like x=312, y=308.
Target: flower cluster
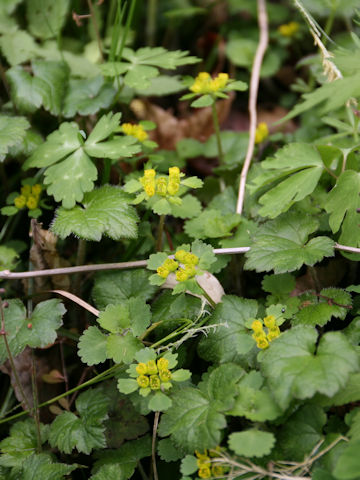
x=208, y=468
x=204, y=84
x=261, y=133
x=261, y=337
x=136, y=131
x=29, y=197
x=289, y=29
x=154, y=375
x=185, y=272
x=162, y=186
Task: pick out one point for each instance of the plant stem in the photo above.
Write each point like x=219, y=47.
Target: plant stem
x=102, y=376
x=6, y=401
x=96, y=28
x=107, y=170
x=153, y=446
x=35, y=402
x=217, y=132
x=151, y=22
x=4, y=228
x=160, y=232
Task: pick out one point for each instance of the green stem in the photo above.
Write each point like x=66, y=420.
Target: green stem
x=151, y=22
x=329, y=24
x=107, y=170
x=160, y=232
x=217, y=132
x=6, y=401
x=126, y=31
x=5, y=227
x=102, y=376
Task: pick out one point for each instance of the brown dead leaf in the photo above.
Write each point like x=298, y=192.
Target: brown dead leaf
x=54, y=376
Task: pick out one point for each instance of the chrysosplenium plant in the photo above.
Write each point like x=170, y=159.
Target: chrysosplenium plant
x=179, y=360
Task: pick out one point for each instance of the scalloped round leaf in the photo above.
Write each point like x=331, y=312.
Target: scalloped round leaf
x=189, y=465
x=251, y=443
x=115, y=317
x=12, y=132
x=159, y=402
x=122, y=348
x=104, y=211
x=190, y=207
x=167, y=451
x=92, y=346
x=127, y=385
x=156, y=260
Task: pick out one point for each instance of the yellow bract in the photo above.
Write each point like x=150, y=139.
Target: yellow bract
x=29, y=197
x=136, y=131
x=262, y=338
x=204, y=84
x=289, y=29
x=262, y=132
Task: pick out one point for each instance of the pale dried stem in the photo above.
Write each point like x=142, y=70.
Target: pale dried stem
x=254, y=87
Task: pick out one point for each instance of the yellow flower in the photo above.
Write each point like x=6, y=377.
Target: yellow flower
x=161, y=186
x=149, y=188
x=20, y=201
x=165, y=375
x=261, y=133
x=204, y=84
x=136, y=131
x=202, y=455
x=162, y=364
x=259, y=335
x=148, y=181
x=190, y=270
x=143, y=381
x=173, y=187
x=170, y=264
x=162, y=271
x=151, y=367
x=217, y=470
x=155, y=383
x=181, y=255
x=174, y=173
x=36, y=190
x=26, y=190
x=32, y=202
x=203, y=461
x=289, y=29
x=204, y=472
x=270, y=321
x=257, y=326
x=149, y=173
x=141, y=369
x=181, y=275
x=191, y=259
x=273, y=333
x=262, y=343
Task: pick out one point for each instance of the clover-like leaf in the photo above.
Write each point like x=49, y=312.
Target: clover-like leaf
x=296, y=368
x=281, y=245
x=86, y=432
x=105, y=211
x=251, y=443
x=302, y=166
x=12, y=132
x=232, y=339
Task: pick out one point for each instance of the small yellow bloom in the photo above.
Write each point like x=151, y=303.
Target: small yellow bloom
x=162, y=364
x=201, y=455
x=174, y=173
x=143, y=381
x=262, y=343
x=161, y=186
x=162, y=271
x=259, y=335
x=149, y=173
x=170, y=265
x=289, y=29
x=273, y=333
x=191, y=259
x=149, y=188
x=136, y=131
x=181, y=275
x=32, y=202
x=141, y=369
x=204, y=472
x=173, y=187
x=155, y=383
x=217, y=470
x=36, y=190
x=261, y=133
x=165, y=375
x=203, y=461
x=257, y=326
x=204, y=84
x=20, y=201
x=270, y=321
x=190, y=271
x=180, y=255
x=26, y=190
x=151, y=367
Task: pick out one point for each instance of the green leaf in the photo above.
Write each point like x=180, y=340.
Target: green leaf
x=114, y=149
x=70, y=179
x=318, y=310
x=205, y=254
x=295, y=370
x=203, y=101
x=281, y=245
x=92, y=346
x=156, y=260
x=26, y=91
x=127, y=385
x=18, y=46
x=53, y=78
x=122, y=348
x=190, y=207
x=251, y=443
x=114, y=287
x=104, y=211
x=45, y=17
x=107, y=125
x=189, y=465
x=162, y=85
x=348, y=464
x=168, y=451
x=115, y=318
x=42, y=467
x=12, y=132
x=85, y=432
x=342, y=204
x=195, y=419
x=21, y=442
x=302, y=431
x=212, y=224
x=159, y=402
x=227, y=343
x=58, y=145
x=8, y=257
x=303, y=166
x=87, y=96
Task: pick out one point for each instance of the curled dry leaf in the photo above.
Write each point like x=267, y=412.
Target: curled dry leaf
x=210, y=284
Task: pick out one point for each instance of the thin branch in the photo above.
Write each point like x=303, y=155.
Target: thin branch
x=345, y=248
x=254, y=87
x=153, y=446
